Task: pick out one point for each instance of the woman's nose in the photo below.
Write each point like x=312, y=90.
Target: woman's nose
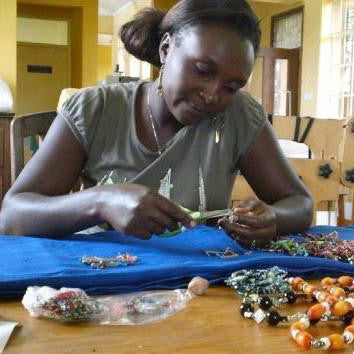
x=210, y=95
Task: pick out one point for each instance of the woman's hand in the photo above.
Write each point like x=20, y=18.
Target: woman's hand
x=136, y=210
x=253, y=223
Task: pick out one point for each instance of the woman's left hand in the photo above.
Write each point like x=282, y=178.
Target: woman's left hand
x=253, y=224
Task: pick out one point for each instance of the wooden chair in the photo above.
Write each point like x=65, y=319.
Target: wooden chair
x=22, y=127
x=325, y=139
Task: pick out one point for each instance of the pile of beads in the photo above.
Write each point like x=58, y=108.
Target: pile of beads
x=259, y=281
x=71, y=306
x=103, y=262
x=321, y=245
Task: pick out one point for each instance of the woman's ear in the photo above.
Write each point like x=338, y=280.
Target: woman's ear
x=164, y=47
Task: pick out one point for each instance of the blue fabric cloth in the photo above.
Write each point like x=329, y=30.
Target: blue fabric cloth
x=163, y=263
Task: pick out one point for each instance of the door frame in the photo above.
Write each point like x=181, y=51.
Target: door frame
x=269, y=56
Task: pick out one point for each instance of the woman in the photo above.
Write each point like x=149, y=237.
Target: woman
x=142, y=149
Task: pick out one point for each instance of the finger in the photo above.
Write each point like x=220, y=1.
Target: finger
x=154, y=228
x=249, y=204
x=142, y=234
x=175, y=212
x=163, y=220
x=254, y=221
x=245, y=233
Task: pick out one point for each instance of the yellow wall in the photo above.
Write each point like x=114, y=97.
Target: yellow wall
x=164, y=4
x=311, y=57
x=8, y=48
x=104, y=61
x=84, y=19
x=265, y=11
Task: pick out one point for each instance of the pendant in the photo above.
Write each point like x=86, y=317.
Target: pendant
x=217, y=136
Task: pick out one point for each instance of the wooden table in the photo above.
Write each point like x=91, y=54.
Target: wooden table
x=209, y=324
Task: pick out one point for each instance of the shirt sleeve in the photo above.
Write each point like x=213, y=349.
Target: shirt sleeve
x=82, y=112
x=249, y=120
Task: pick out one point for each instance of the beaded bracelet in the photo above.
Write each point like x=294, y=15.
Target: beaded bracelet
x=259, y=281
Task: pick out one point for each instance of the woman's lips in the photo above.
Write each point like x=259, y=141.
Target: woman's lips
x=195, y=110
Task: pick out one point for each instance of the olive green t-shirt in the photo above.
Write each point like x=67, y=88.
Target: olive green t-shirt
x=195, y=170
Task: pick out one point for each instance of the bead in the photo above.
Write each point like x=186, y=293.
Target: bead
x=265, y=303
x=348, y=337
x=326, y=305
x=337, y=292
x=305, y=321
x=273, y=318
x=347, y=290
x=314, y=321
x=198, y=285
x=327, y=281
x=298, y=326
x=322, y=297
x=345, y=280
x=347, y=318
x=326, y=343
x=316, y=311
x=294, y=333
x=303, y=339
x=309, y=290
x=341, y=308
x=297, y=283
x=246, y=307
x=337, y=341
x=349, y=329
x=350, y=300
x=331, y=300
x=290, y=297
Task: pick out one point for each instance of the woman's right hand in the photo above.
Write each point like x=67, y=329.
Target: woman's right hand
x=136, y=210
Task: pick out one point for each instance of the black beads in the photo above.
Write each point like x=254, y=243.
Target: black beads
x=246, y=307
x=265, y=303
x=290, y=297
x=273, y=318
x=347, y=318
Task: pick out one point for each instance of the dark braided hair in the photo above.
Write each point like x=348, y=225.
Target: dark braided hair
x=143, y=34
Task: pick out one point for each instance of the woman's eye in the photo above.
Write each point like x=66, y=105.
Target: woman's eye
x=202, y=71
x=231, y=89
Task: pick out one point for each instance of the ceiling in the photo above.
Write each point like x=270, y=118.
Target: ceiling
x=110, y=7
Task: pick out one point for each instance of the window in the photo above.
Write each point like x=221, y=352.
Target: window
x=336, y=88
x=287, y=29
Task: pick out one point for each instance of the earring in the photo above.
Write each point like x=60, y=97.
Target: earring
x=159, y=87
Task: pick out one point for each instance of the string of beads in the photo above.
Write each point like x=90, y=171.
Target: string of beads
x=335, y=302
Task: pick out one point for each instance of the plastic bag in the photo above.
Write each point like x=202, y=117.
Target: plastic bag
x=74, y=305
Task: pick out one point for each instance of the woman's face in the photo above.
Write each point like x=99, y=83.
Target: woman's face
x=204, y=68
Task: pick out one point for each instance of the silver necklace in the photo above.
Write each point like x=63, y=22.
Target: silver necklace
x=159, y=149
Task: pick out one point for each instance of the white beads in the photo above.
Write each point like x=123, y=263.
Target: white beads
x=350, y=300
x=326, y=305
x=348, y=337
x=305, y=321
x=294, y=333
x=326, y=343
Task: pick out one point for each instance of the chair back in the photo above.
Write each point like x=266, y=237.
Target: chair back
x=34, y=124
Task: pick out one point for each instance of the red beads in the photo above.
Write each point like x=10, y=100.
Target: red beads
x=315, y=312
x=303, y=339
